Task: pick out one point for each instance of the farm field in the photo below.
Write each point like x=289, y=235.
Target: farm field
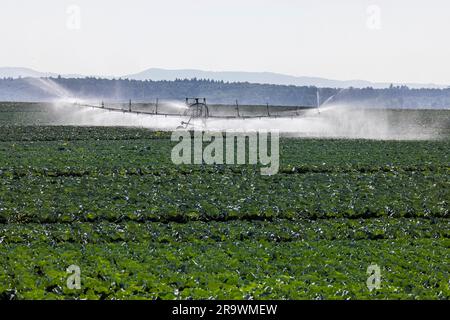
x=109, y=200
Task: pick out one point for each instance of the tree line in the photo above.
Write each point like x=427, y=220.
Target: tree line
x=45, y=89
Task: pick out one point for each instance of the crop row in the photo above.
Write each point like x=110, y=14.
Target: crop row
x=314, y=154
x=221, y=197
x=230, y=270
x=77, y=171
x=74, y=133
x=205, y=232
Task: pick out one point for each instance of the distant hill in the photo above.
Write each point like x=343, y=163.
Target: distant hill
x=11, y=72
x=15, y=73
x=157, y=74
x=263, y=78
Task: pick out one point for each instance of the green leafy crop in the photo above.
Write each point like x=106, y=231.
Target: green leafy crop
x=110, y=201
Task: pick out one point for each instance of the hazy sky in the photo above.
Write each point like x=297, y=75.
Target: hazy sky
x=379, y=40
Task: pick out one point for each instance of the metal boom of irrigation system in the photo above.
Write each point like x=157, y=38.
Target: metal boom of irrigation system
x=197, y=108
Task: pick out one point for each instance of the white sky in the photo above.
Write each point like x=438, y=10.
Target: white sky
x=325, y=38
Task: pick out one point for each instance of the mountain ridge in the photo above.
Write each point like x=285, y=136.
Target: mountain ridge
x=158, y=74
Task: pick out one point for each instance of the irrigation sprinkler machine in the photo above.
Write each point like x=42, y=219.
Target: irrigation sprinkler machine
x=196, y=109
